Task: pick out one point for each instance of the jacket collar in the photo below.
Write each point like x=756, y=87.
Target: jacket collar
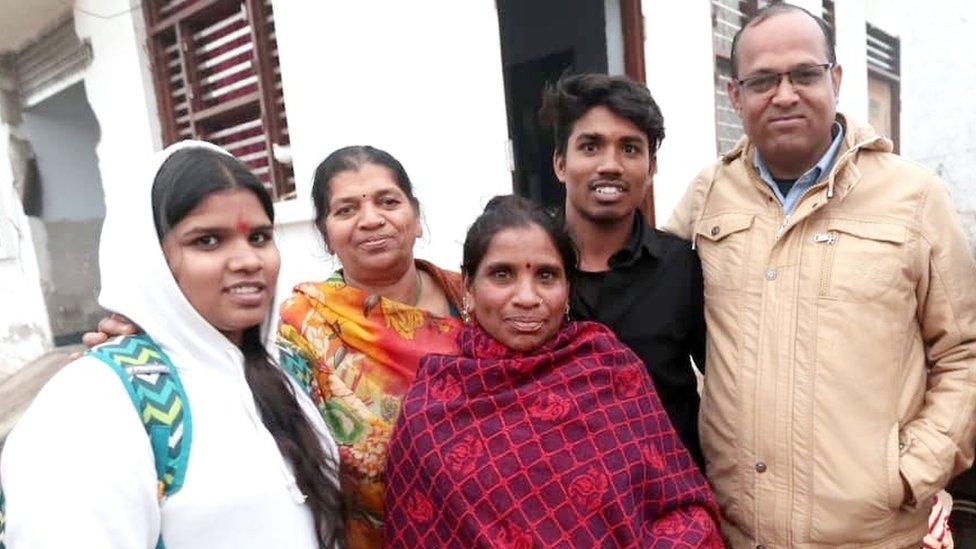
x=844, y=174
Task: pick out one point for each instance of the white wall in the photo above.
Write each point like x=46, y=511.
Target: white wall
x=938, y=124
x=680, y=74
x=615, y=37
x=851, y=45
x=420, y=80
x=119, y=91
x=25, y=332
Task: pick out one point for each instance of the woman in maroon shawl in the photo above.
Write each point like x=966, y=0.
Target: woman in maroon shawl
x=541, y=433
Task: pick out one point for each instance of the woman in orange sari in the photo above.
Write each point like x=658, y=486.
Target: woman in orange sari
x=365, y=328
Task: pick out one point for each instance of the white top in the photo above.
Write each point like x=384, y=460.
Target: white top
x=78, y=469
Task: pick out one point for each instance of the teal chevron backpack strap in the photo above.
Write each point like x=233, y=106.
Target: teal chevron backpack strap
x=3, y=520
x=158, y=396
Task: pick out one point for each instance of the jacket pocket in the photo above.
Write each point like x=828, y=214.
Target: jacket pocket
x=856, y=486
x=863, y=259
x=896, y=491
x=723, y=246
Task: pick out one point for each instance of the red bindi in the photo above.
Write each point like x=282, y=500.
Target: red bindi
x=243, y=227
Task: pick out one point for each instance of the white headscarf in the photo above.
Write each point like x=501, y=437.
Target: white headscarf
x=137, y=281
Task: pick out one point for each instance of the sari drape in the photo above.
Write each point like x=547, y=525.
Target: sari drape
x=566, y=446
x=364, y=350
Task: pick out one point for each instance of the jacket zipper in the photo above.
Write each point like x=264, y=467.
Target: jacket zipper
x=827, y=266
x=829, y=238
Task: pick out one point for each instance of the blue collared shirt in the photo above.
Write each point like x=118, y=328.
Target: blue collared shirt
x=807, y=179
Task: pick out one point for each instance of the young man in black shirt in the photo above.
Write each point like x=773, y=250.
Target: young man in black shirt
x=644, y=284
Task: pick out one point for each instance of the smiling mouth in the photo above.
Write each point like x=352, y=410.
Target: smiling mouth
x=525, y=325
x=245, y=288
x=248, y=294
x=785, y=119
x=375, y=242
x=608, y=189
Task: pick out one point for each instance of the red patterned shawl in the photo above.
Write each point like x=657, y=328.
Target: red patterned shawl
x=567, y=446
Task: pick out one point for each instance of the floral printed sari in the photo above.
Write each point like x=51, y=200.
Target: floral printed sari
x=364, y=350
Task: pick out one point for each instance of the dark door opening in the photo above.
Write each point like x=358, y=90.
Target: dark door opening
x=540, y=40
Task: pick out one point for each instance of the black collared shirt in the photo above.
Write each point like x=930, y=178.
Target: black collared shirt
x=652, y=298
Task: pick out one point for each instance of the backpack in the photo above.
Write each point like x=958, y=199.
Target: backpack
x=154, y=386
x=152, y=383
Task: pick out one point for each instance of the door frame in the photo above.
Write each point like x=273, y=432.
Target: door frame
x=632, y=20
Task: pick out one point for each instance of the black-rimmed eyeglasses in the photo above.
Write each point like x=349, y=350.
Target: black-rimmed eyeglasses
x=802, y=76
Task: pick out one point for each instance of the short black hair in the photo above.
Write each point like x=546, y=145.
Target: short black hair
x=572, y=96
x=771, y=11
x=512, y=211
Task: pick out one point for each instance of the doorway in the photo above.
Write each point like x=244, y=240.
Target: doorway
x=540, y=41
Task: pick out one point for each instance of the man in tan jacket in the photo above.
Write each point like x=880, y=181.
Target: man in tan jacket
x=840, y=301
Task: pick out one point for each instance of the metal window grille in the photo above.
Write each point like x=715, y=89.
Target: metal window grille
x=884, y=53
x=215, y=66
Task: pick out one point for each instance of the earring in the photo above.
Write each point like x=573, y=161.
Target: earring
x=568, y=319
x=465, y=311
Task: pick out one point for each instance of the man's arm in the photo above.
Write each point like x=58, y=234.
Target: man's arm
x=110, y=326
x=939, y=442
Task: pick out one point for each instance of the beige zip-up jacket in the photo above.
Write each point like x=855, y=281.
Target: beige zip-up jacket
x=841, y=347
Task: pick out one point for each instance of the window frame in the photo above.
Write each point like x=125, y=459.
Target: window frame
x=160, y=29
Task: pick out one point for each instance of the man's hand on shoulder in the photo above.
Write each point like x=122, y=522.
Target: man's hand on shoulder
x=110, y=326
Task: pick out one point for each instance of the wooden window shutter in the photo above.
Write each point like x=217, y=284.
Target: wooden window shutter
x=216, y=73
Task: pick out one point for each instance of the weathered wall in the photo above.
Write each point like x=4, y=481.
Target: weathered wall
x=24, y=330
x=67, y=254
x=63, y=133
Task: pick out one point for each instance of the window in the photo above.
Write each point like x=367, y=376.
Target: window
x=884, y=82
x=215, y=67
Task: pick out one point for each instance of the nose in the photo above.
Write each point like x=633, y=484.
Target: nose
x=785, y=91
x=370, y=217
x=610, y=162
x=245, y=258
x=526, y=294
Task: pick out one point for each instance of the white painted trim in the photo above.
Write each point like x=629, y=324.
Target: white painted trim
x=615, y=37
